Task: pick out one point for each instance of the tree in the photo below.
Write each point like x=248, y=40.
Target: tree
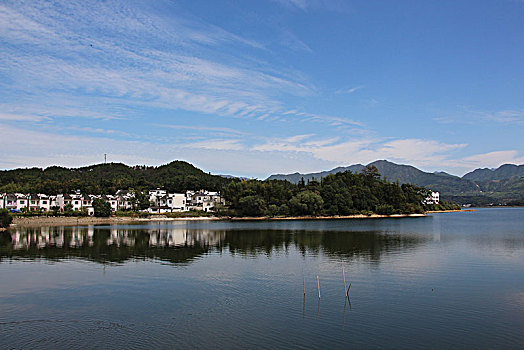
x=68, y=210
x=5, y=218
x=371, y=172
x=101, y=207
x=141, y=200
x=306, y=203
x=252, y=206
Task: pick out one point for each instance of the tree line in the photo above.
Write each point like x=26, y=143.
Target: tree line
x=176, y=176
x=343, y=193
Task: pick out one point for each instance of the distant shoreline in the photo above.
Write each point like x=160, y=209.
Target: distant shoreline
x=80, y=221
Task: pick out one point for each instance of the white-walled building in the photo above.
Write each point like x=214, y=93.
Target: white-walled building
x=203, y=200
x=161, y=201
x=433, y=198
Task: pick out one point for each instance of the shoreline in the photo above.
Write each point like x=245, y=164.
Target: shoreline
x=81, y=221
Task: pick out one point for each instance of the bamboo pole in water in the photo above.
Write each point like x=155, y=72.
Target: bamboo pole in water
x=318, y=285
x=303, y=281
x=344, y=274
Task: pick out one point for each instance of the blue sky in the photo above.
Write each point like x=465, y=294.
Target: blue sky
x=253, y=88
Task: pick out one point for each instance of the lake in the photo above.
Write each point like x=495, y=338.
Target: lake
x=448, y=280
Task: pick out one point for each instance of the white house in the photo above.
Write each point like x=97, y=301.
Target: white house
x=163, y=202
x=124, y=200
x=203, y=200
x=21, y=201
x=433, y=198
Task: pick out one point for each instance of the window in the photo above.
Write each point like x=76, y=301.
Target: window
x=44, y=202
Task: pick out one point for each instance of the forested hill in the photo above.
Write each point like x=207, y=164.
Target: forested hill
x=176, y=176
x=343, y=193
x=480, y=187
x=442, y=182
x=504, y=172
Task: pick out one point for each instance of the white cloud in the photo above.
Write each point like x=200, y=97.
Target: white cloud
x=304, y=153
x=201, y=128
x=43, y=149
x=64, y=48
x=426, y=153
x=18, y=117
x=291, y=41
x=490, y=160
x=216, y=144
x=471, y=116
x=422, y=152
x=339, y=6
x=350, y=90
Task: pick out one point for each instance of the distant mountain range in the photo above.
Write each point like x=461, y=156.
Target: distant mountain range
x=504, y=172
x=481, y=186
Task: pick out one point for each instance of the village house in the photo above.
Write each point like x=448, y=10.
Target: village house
x=203, y=200
x=160, y=201
x=163, y=202
x=433, y=198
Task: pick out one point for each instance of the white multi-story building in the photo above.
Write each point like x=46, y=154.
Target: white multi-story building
x=124, y=200
x=163, y=202
x=433, y=198
x=203, y=200
x=21, y=201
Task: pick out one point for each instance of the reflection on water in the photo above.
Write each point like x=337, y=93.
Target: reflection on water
x=443, y=281
x=179, y=245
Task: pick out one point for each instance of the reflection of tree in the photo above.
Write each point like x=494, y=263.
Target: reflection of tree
x=368, y=245
x=180, y=246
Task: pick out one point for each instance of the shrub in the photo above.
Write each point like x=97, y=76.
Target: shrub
x=101, y=208
x=5, y=218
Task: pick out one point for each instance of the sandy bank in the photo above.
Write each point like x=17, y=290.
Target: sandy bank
x=336, y=217
x=73, y=221
x=449, y=211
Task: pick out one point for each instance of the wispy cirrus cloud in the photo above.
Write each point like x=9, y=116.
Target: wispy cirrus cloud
x=489, y=159
x=350, y=90
x=200, y=128
x=428, y=153
x=467, y=115
x=238, y=155
x=306, y=5
x=19, y=117
x=291, y=41
x=66, y=48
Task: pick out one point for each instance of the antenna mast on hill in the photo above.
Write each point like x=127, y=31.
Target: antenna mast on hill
x=105, y=158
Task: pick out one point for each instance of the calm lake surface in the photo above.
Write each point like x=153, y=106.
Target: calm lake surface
x=453, y=280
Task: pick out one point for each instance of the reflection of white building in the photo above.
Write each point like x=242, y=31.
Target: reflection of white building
x=78, y=236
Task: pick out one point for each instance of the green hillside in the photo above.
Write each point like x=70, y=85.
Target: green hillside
x=506, y=171
x=480, y=187
x=176, y=176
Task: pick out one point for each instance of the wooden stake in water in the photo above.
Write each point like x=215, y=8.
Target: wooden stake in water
x=318, y=285
x=303, y=281
x=344, y=274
